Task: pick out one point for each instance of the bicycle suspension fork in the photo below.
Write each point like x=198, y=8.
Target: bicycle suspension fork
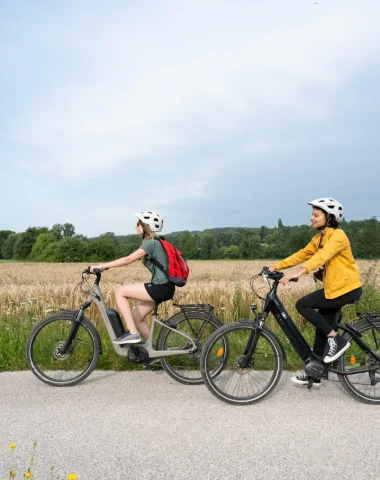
x=75, y=327
x=253, y=339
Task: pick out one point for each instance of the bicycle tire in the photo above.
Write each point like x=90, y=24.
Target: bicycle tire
x=264, y=372
x=47, y=362
x=186, y=368
x=364, y=387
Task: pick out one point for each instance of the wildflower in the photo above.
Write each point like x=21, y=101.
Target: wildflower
x=12, y=474
x=27, y=475
x=12, y=446
x=72, y=476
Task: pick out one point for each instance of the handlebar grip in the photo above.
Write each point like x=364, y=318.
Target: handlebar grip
x=295, y=280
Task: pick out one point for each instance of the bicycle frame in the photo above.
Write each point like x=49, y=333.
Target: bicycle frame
x=95, y=296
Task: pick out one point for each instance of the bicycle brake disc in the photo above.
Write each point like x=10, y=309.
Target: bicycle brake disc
x=57, y=351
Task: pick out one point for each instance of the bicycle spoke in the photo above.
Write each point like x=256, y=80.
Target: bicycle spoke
x=50, y=362
x=242, y=380
x=360, y=384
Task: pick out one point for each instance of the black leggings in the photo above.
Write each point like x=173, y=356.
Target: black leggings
x=323, y=320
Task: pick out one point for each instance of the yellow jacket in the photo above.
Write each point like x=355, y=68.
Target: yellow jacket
x=341, y=273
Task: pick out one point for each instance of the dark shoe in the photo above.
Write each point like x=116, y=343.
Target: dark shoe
x=335, y=347
x=304, y=380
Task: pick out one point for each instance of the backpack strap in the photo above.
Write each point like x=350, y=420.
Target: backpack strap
x=156, y=262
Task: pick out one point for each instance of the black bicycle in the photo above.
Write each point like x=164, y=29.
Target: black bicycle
x=252, y=366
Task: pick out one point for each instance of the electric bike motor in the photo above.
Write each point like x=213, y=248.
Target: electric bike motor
x=137, y=354
x=315, y=369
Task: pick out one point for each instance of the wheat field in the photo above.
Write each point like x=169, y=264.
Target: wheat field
x=37, y=289
x=32, y=291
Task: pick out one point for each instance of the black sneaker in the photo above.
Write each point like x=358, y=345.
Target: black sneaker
x=335, y=347
x=304, y=380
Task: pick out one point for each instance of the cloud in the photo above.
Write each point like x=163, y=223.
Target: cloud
x=184, y=106
x=150, y=85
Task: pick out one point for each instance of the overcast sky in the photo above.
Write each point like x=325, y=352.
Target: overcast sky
x=212, y=113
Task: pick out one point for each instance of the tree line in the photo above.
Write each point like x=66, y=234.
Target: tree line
x=60, y=243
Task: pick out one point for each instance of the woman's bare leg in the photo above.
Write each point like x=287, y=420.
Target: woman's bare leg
x=135, y=292
x=139, y=313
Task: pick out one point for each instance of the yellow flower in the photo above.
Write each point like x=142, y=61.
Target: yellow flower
x=72, y=476
x=27, y=475
x=12, y=446
x=12, y=474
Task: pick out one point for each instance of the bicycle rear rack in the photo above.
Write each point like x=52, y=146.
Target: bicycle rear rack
x=194, y=308
x=371, y=315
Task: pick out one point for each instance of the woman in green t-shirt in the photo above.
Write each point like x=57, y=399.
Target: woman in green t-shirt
x=159, y=289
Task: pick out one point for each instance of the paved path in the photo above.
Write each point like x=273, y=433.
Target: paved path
x=144, y=425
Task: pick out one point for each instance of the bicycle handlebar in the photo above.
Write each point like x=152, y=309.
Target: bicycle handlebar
x=276, y=275
x=96, y=271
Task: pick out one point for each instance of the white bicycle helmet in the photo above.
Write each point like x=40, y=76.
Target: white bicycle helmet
x=329, y=205
x=153, y=219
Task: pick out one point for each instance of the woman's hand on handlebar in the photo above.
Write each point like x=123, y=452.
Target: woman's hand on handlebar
x=99, y=267
x=272, y=268
x=293, y=276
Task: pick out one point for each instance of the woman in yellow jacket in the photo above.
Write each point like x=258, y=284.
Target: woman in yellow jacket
x=330, y=252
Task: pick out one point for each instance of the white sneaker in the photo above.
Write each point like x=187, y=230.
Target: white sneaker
x=304, y=380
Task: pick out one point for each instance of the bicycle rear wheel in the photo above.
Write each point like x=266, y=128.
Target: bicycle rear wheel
x=186, y=368
x=44, y=350
x=237, y=385
x=365, y=387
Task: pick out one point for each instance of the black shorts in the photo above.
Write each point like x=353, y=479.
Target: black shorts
x=160, y=292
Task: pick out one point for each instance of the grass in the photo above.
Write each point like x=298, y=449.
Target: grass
x=32, y=291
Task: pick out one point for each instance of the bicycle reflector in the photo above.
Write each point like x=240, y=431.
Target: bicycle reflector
x=352, y=359
x=220, y=352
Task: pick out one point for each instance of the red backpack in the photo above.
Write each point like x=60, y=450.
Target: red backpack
x=178, y=270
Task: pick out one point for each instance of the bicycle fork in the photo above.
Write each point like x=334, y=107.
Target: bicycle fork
x=66, y=348
x=252, y=341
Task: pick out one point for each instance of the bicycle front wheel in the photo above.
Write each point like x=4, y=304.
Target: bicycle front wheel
x=238, y=383
x=45, y=355
x=363, y=386
x=185, y=368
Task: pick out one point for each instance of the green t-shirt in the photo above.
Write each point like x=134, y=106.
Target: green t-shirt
x=154, y=249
